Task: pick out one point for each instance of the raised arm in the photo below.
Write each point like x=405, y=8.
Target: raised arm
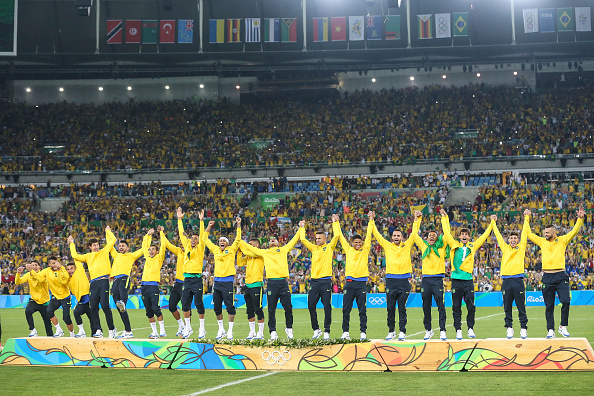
x=369, y=233
x=525, y=232
x=578, y=224
x=38, y=276
x=172, y=248
x=337, y=231
x=379, y=237
x=110, y=239
x=445, y=225
x=291, y=244
x=204, y=237
x=242, y=259
x=415, y=230
x=137, y=254
x=498, y=235
x=73, y=253
x=250, y=250
x=310, y=246
x=162, y=247
x=18, y=279
x=532, y=236
x=481, y=240
x=113, y=252
x=146, y=242
x=235, y=245
x=180, y=228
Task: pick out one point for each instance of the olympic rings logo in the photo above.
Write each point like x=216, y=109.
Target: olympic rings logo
x=377, y=300
x=276, y=357
x=443, y=25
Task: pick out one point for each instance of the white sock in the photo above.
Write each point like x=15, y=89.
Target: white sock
x=72, y=334
x=154, y=327
x=162, y=326
x=81, y=328
x=58, y=328
x=202, y=323
x=252, y=327
x=181, y=322
x=261, y=328
x=187, y=320
x=220, y=322
x=231, y=327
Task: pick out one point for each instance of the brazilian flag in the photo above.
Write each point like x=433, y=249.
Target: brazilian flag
x=421, y=208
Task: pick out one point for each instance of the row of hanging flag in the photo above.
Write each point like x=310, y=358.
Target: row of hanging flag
x=550, y=20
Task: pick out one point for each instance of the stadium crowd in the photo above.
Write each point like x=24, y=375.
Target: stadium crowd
x=26, y=233
x=362, y=127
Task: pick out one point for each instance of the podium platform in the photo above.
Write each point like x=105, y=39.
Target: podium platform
x=538, y=354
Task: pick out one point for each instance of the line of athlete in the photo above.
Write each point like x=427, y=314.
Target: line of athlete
x=67, y=279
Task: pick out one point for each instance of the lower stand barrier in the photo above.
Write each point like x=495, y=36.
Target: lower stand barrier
x=374, y=355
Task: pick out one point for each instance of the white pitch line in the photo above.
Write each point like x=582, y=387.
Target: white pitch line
x=232, y=383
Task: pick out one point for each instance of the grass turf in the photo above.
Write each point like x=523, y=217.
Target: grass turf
x=136, y=382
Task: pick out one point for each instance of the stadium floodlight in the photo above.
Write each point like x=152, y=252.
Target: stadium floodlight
x=373, y=80
x=166, y=86
x=100, y=89
x=444, y=76
x=129, y=88
x=61, y=89
x=28, y=89
x=478, y=74
x=515, y=73
x=201, y=86
x=412, y=78
x=237, y=87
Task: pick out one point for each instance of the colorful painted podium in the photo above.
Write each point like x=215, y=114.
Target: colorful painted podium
x=375, y=355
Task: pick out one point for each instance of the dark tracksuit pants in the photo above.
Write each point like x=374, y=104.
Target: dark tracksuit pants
x=33, y=307
x=513, y=289
x=278, y=289
x=80, y=310
x=463, y=289
x=119, y=291
x=557, y=282
x=354, y=290
x=99, y=294
x=320, y=289
x=432, y=287
x=253, y=302
x=397, y=290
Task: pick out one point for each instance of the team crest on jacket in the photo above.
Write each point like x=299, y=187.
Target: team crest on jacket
x=470, y=245
x=226, y=251
x=557, y=240
x=278, y=250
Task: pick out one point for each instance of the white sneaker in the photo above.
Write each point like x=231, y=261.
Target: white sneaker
x=390, y=336
x=80, y=334
x=33, y=333
x=127, y=334
x=98, y=334
x=326, y=336
x=59, y=333
x=201, y=333
x=345, y=336
x=551, y=334
x=317, y=334
x=524, y=333
x=458, y=334
x=363, y=336
x=471, y=333
x=180, y=331
x=250, y=336
x=221, y=334
x=163, y=334
x=112, y=333
x=229, y=335
x=274, y=336
x=289, y=333
x=154, y=336
x=443, y=336
x=510, y=333
x=563, y=331
x=189, y=331
x=401, y=336
x=121, y=306
x=259, y=336
x=428, y=334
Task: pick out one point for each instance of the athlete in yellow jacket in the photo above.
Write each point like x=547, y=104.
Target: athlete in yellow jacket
x=79, y=286
x=555, y=278
x=357, y=272
x=513, y=255
x=176, y=292
x=398, y=273
x=254, y=283
x=151, y=277
x=320, y=287
x=39, y=300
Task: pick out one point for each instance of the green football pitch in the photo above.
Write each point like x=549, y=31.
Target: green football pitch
x=489, y=324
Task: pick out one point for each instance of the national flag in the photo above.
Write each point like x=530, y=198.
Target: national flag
x=133, y=29
x=320, y=30
x=252, y=30
x=530, y=20
x=392, y=27
x=233, y=30
x=289, y=30
x=185, y=31
x=443, y=28
x=583, y=21
x=421, y=208
x=356, y=28
x=216, y=31
x=338, y=28
x=114, y=31
x=271, y=30
x=373, y=27
x=564, y=21
x=167, y=35
x=150, y=32
x=425, y=22
x=460, y=23
x=546, y=17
